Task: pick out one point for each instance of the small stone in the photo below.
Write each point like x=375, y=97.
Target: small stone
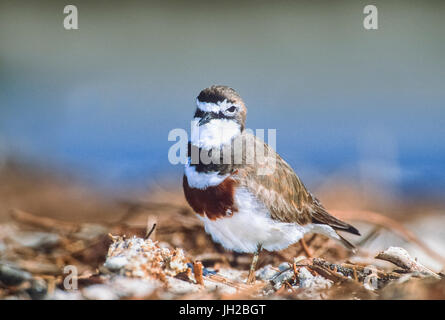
x=143, y=258
x=36, y=240
x=116, y=263
x=180, y=287
x=130, y=287
x=282, y=278
x=99, y=292
x=67, y=295
x=266, y=273
x=283, y=266
x=38, y=289
x=307, y=280
x=10, y=275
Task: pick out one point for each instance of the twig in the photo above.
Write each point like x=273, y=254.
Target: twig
x=328, y=273
x=150, y=232
x=354, y=269
x=136, y=207
x=43, y=222
x=197, y=270
x=390, y=224
x=296, y=272
x=220, y=279
x=402, y=259
x=361, y=272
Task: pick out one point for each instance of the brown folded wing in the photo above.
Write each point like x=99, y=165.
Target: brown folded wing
x=282, y=192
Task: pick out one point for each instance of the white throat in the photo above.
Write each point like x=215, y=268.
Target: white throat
x=214, y=134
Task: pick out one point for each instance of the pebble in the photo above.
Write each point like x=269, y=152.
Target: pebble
x=38, y=289
x=307, y=280
x=36, y=240
x=179, y=287
x=116, y=263
x=282, y=278
x=266, y=273
x=67, y=295
x=131, y=287
x=283, y=266
x=99, y=292
x=11, y=275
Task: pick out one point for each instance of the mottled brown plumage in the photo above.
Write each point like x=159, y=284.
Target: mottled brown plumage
x=283, y=193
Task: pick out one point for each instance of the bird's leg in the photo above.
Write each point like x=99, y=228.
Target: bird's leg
x=305, y=248
x=251, y=278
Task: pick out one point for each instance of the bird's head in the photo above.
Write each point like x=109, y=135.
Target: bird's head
x=220, y=104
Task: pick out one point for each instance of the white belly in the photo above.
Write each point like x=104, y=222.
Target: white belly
x=252, y=225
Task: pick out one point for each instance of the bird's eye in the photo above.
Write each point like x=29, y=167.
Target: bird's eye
x=232, y=109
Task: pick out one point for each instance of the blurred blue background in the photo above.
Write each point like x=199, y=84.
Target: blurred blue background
x=100, y=101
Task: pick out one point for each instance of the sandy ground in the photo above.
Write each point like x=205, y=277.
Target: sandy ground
x=48, y=223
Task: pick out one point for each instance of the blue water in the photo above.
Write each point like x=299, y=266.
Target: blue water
x=100, y=101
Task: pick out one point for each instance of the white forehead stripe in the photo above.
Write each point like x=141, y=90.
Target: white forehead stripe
x=214, y=107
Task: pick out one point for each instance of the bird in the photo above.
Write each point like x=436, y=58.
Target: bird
x=247, y=205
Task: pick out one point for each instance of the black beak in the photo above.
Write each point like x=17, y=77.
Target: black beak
x=205, y=119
